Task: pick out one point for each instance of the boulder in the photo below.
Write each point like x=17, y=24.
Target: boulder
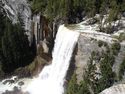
x=21, y=83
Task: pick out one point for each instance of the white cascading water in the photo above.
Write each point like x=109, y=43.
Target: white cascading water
x=52, y=77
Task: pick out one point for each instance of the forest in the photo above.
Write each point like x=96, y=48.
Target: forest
x=71, y=9
x=15, y=50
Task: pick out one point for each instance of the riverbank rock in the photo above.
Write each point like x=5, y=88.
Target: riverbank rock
x=86, y=46
x=116, y=89
x=21, y=83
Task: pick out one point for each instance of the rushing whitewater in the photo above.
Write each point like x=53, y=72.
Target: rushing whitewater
x=52, y=77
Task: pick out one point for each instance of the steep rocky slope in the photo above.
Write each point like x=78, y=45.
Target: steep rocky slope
x=116, y=89
x=92, y=41
x=17, y=10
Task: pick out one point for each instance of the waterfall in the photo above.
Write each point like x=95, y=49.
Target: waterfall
x=52, y=77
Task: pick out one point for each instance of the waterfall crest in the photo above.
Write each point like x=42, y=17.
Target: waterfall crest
x=51, y=79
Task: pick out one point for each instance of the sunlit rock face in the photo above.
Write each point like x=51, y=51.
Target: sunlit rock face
x=117, y=89
x=17, y=10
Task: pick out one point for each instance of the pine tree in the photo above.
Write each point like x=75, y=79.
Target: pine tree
x=72, y=86
x=15, y=50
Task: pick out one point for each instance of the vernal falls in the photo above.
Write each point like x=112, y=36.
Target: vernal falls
x=51, y=79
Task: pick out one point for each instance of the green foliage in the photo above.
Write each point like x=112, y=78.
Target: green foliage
x=103, y=7
x=116, y=47
x=93, y=81
x=101, y=43
x=2, y=26
x=14, y=46
x=58, y=8
x=39, y=5
x=114, y=12
x=83, y=88
x=74, y=88
x=90, y=6
x=107, y=76
x=71, y=9
x=121, y=37
x=122, y=70
x=72, y=85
